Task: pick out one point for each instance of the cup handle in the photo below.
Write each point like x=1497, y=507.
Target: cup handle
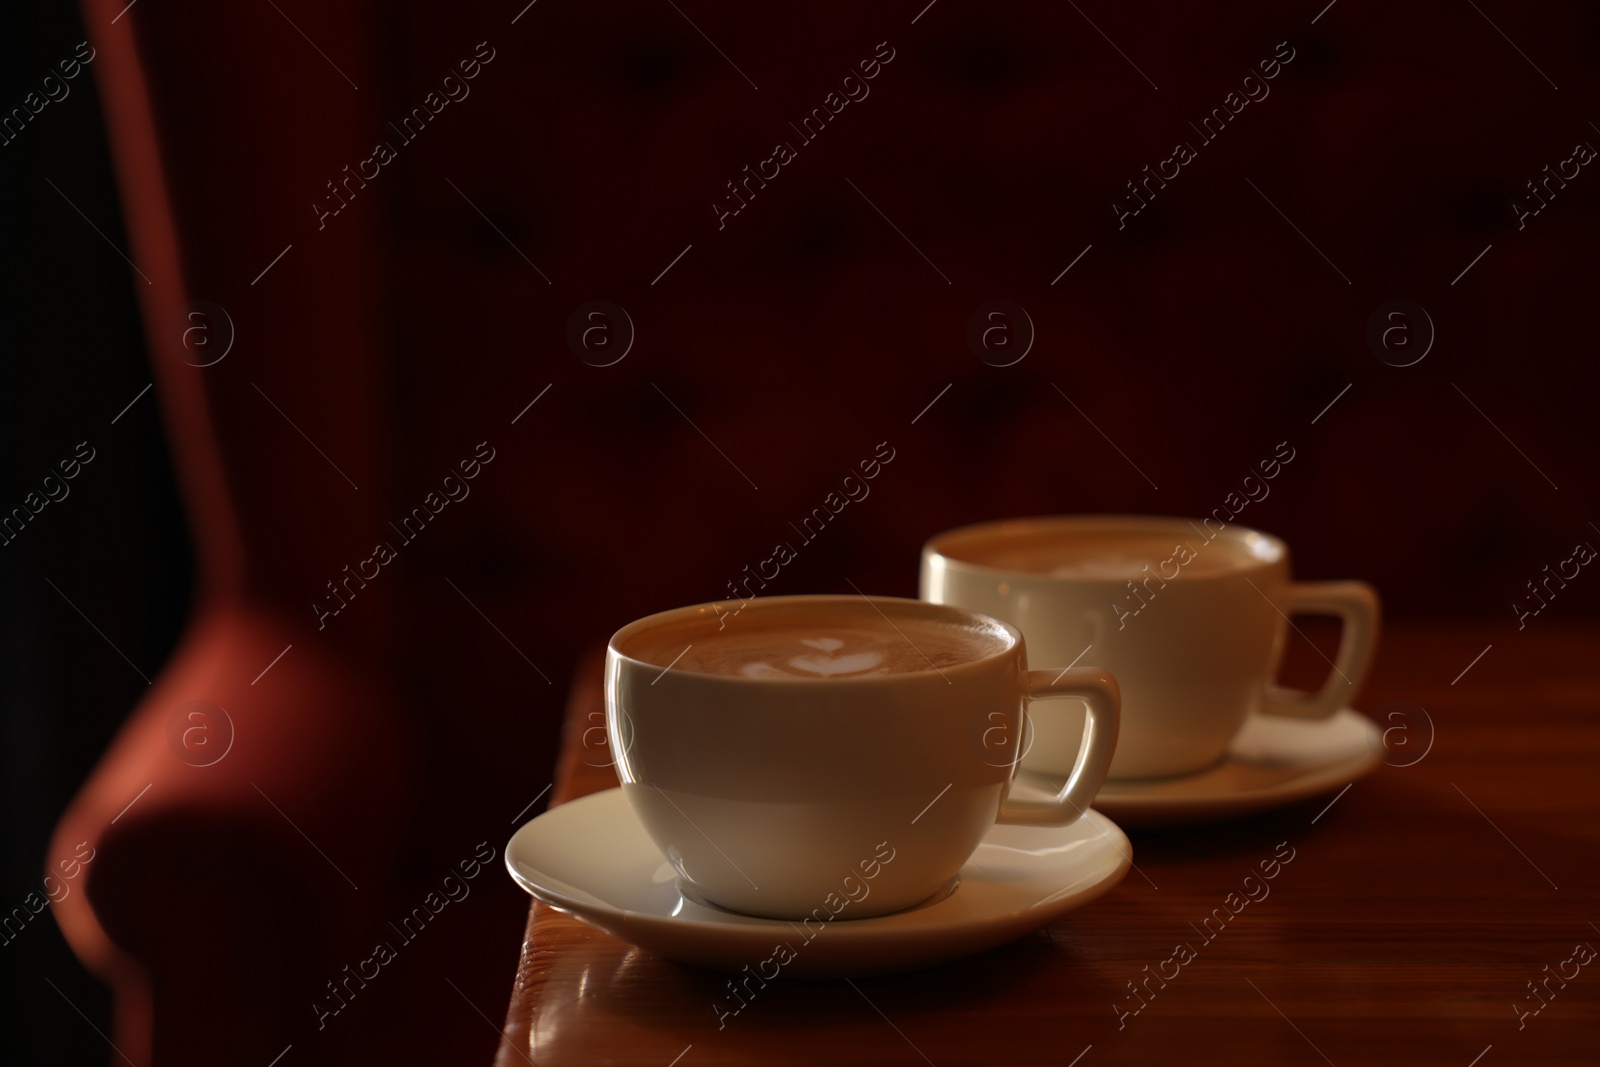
x=1099, y=691
x=1357, y=605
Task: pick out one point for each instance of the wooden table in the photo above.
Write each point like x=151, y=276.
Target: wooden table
x=1415, y=913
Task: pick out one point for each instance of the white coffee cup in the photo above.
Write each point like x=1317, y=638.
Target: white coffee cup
x=1193, y=635
x=786, y=796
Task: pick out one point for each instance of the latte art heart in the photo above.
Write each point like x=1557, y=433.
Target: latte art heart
x=855, y=664
x=820, y=666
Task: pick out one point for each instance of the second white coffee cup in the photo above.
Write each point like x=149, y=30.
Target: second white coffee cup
x=1189, y=617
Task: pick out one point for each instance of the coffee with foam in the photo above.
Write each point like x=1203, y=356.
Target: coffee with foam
x=807, y=643
x=1098, y=556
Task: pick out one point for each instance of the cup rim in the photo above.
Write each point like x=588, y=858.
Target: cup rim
x=1266, y=551
x=1015, y=647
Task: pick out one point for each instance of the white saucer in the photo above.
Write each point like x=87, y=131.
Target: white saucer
x=592, y=859
x=1273, y=761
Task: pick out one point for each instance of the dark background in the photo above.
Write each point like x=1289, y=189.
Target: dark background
x=71, y=355
x=1196, y=338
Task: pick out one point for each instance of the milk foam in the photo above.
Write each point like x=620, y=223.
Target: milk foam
x=815, y=645
x=1101, y=556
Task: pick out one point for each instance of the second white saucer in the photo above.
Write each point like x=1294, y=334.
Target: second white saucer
x=1273, y=761
x=592, y=859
